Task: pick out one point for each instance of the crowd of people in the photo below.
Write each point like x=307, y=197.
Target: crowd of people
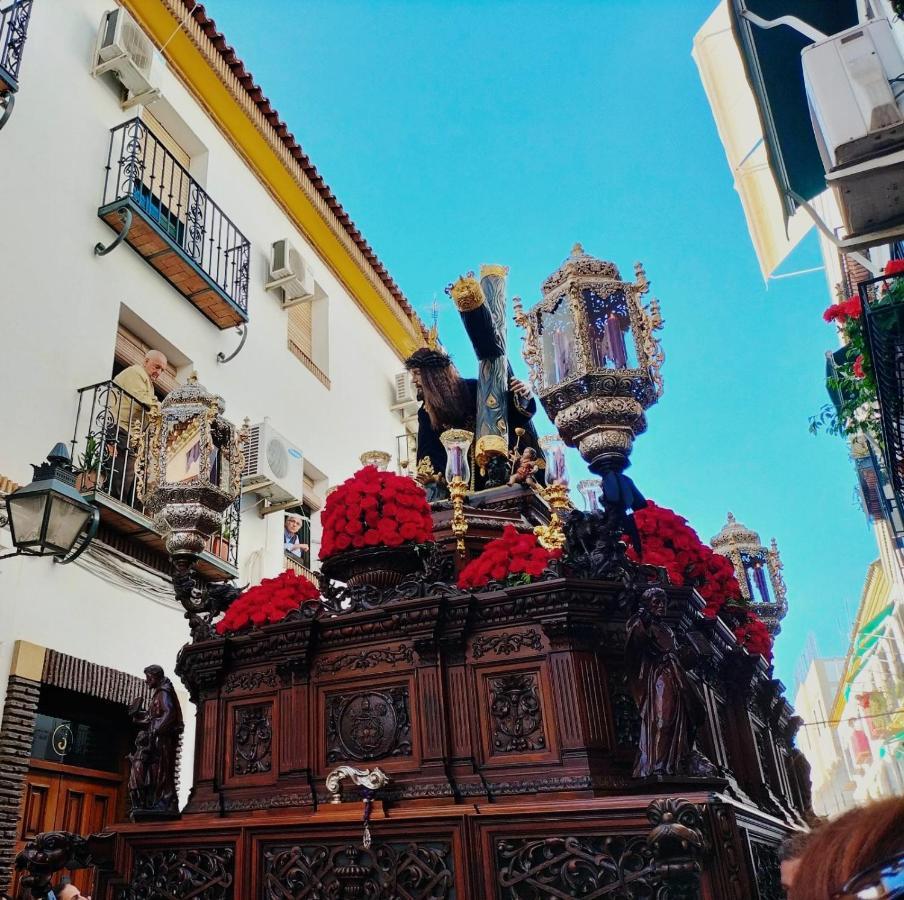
x=858, y=855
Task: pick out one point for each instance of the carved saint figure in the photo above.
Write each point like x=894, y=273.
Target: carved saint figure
x=152, y=780
x=667, y=695
x=526, y=465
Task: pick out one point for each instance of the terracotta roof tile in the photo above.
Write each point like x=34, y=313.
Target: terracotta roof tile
x=231, y=58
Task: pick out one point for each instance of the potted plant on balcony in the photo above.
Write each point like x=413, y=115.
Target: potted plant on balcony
x=88, y=477
x=374, y=526
x=220, y=543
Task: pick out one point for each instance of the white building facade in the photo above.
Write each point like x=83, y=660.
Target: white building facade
x=218, y=180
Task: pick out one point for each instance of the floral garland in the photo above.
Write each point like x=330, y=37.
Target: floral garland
x=670, y=543
x=511, y=559
x=855, y=381
x=268, y=602
x=375, y=509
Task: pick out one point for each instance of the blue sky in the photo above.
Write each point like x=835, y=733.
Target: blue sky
x=458, y=133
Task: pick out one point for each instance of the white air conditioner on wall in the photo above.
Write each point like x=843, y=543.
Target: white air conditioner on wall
x=404, y=389
x=855, y=87
x=289, y=273
x=274, y=467
x=123, y=48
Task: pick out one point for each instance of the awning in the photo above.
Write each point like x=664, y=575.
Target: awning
x=772, y=61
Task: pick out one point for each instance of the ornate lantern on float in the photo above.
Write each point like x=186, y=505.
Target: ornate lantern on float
x=758, y=570
x=190, y=468
x=593, y=357
x=377, y=458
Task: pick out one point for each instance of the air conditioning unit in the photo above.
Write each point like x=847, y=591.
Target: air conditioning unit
x=123, y=48
x=274, y=467
x=289, y=272
x=404, y=389
x=855, y=87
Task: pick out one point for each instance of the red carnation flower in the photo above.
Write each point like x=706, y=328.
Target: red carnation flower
x=894, y=267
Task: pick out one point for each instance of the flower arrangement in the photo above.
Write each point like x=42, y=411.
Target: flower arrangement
x=375, y=509
x=670, y=543
x=854, y=381
x=511, y=559
x=754, y=637
x=270, y=601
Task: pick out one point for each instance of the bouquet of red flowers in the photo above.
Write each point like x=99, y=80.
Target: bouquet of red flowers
x=270, y=601
x=754, y=636
x=375, y=509
x=513, y=558
x=670, y=543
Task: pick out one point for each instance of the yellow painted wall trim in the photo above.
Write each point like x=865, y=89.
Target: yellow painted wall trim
x=28, y=661
x=192, y=57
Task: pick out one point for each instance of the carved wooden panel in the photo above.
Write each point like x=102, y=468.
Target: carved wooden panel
x=252, y=739
x=625, y=717
x=414, y=871
x=368, y=725
x=516, y=715
x=203, y=873
x=573, y=865
x=767, y=870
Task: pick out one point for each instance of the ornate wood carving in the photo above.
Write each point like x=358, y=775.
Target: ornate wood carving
x=203, y=873
x=419, y=871
x=517, y=719
x=768, y=871
x=252, y=739
x=368, y=725
x=573, y=865
x=506, y=643
x=365, y=659
x=250, y=681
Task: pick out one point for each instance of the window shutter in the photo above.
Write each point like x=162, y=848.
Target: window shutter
x=300, y=330
x=165, y=173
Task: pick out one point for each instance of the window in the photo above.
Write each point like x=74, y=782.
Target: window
x=308, y=336
x=131, y=350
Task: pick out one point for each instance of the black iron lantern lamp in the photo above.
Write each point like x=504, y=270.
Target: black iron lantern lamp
x=48, y=516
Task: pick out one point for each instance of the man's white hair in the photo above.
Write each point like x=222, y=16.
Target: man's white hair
x=157, y=355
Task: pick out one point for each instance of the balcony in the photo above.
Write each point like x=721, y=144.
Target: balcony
x=883, y=315
x=13, y=30
x=175, y=226
x=104, y=454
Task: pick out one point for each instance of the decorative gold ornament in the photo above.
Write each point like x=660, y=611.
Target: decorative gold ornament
x=190, y=467
x=494, y=269
x=552, y=535
x=488, y=446
x=593, y=357
x=758, y=570
x=458, y=490
x=377, y=458
x=458, y=475
x=466, y=293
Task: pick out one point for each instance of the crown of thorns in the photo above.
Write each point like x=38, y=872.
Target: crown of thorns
x=425, y=358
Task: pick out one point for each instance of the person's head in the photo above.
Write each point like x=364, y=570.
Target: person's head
x=529, y=454
x=153, y=675
x=789, y=853
x=293, y=523
x=849, y=845
x=655, y=600
x=445, y=394
x=154, y=364
x=69, y=891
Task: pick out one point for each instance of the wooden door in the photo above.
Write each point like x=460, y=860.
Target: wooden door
x=65, y=798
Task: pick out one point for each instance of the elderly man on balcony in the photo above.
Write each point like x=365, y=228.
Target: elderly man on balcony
x=137, y=383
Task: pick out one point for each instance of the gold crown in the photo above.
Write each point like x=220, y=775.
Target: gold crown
x=466, y=293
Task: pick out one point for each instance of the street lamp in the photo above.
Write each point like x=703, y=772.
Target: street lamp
x=47, y=516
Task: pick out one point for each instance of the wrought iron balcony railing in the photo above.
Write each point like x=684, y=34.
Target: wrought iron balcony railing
x=108, y=424
x=168, y=218
x=883, y=315
x=13, y=31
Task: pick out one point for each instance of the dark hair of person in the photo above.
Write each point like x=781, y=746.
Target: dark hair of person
x=847, y=845
x=447, y=400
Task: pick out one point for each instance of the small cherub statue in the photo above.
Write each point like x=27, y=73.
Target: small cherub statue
x=525, y=465
x=140, y=759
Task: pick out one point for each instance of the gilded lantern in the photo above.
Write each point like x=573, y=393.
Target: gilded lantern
x=190, y=467
x=593, y=357
x=758, y=570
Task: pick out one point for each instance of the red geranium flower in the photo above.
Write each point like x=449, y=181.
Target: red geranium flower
x=894, y=267
x=858, y=367
x=373, y=509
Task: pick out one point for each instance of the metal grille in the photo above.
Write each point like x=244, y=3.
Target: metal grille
x=13, y=31
x=142, y=171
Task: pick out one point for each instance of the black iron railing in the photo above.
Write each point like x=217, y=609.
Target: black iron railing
x=143, y=174
x=109, y=423
x=13, y=31
x=883, y=315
